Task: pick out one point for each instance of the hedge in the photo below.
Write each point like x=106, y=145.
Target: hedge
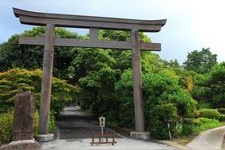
x=6, y=125
x=161, y=116
x=221, y=110
x=209, y=113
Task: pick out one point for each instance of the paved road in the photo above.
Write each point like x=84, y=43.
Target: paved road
x=75, y=128
x=123, y=144
x=211, y=139
x=73, y=123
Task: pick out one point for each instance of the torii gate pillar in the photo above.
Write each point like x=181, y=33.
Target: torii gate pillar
x=137, y=88
x=46, y=86
x=137, y=82
x=94, y=24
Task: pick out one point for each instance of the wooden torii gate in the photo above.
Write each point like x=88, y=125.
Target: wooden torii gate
x=93, y=24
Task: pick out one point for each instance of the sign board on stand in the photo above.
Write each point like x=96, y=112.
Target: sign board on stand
x=102, y=123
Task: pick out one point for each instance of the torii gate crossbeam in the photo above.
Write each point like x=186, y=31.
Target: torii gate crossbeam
x=94, y=24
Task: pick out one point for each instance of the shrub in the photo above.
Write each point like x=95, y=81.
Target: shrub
x=202, y=124
x=209, y=113
x=196, y=114
x=17, y=80
x=198, y=125
x=52, y=123
x=221, y=110
x=160, y=117
x=36, y=123
x=187, y=127
x=222, y=117
x=164, y=101
x=6, y=124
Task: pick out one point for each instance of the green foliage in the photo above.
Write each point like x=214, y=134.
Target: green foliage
x=105, y=80
x=52, y=123
x=94, y=72
x=198, y=125
x=17, y=80
x=200, y=61
x=216, y=84
x=116, y=35
x=160, y=89
x=203, y=124
x=222, y=118
x=164, y=101
x=196, y=114
x=221, y=110
x=187, y=127
x=209, y=88
x=160, y=117
x=126, y=107
x=172, y=64
x=14, y=55
x=36, y=123
x=6, y=124
x=209, y=113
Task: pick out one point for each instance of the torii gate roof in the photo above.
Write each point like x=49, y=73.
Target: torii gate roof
x=38, y=18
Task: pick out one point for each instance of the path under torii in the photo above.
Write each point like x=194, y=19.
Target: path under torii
x=93, y=24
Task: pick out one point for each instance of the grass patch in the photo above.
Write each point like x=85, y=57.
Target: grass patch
x=198, y=125
x=203, y=124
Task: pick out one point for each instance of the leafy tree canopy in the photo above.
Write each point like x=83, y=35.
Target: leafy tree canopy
x=216, y=83
x=17, y=80
x=200, y=61
x=14, y=55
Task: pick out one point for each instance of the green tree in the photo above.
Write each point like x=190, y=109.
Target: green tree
x=216, y=84
x=14, y=55
x=208, y=88
x=160, y=92
x=200, y=90
x=17, y=80
x=200, y=61
x=172, y=63
x=94, y=73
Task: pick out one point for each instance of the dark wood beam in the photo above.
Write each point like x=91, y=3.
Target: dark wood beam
x=90, y=43
x=37, y=18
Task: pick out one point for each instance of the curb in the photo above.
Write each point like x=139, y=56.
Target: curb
x=174, y=144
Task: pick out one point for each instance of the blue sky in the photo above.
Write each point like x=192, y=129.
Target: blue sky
x=191, y=24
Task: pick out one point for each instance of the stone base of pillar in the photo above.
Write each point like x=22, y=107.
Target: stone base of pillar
x=45, y=137
x=22, y=145
x=140, y=135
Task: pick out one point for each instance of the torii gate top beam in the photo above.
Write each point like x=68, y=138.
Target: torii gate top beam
x=93, y=23
x=37, y=18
